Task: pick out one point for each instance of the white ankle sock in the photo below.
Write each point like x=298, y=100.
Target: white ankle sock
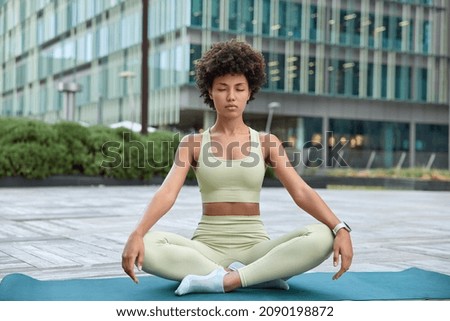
x=273, y=284
x=211, y=283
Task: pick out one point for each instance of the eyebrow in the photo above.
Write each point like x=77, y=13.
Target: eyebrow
x=225, y=84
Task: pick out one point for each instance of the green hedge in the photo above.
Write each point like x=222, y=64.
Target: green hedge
x=34, y=149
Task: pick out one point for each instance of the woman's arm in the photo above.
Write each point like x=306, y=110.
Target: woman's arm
x=161, y=203
x=308, y=200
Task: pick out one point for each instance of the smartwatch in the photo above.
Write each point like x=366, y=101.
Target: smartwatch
x=341, y=225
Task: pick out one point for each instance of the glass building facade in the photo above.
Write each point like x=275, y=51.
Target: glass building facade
x=367, y=79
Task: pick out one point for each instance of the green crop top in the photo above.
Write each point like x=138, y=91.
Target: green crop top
x=237, y=180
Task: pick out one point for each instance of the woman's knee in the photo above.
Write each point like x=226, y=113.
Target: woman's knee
x=154, y=248
x=154, y=238
x=323, y=238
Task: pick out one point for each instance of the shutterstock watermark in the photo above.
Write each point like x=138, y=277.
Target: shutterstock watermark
x=134, y=153
x=129, y=153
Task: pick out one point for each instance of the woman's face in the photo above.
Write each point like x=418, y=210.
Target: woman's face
x=230, y=94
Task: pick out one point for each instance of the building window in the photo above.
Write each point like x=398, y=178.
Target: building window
x=83, y=97
x=340, y=81
x=71, y=15
x=274, y=70
x=195, y=53
x=247, y=10
x=21, y=74
x=312, y=75
x=84, y=48
x=360, y=139
x=399, y=25
x=422, y=84
x=369, y=22
x=7, y=105
x=290, y=19
x=20, y=111
x=354, y=77
x=69, y=54
x=402, y=82
x=313, y=23
x=370, y=80
x=40, y=31
x=50, y=26
x=102, y=41
x=432, y=138
x=240, y=15
x=156, y=71
x=90, y=9
x=180, y=64
x=196, y=12
x=57, y=99
x=350, y=28
x=426, y=37
x=131, y=32
x=385, y=31
x=293, y=72
x=44, y=61
x=43, y=106
x=233, y=12
x=266, y=17
x=103, y=81
x=347, y=78
x=57, y=56
x=215, y=14
x=384, y=81
x=410, y=47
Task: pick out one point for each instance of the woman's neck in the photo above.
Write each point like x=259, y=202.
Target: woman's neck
x=230, y=127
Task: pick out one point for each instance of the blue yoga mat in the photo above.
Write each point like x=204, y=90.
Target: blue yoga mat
x=410, y=284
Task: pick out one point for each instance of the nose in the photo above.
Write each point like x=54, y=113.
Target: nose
x=231, y=95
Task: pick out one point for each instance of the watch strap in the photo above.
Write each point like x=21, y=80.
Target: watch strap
x=341, y=225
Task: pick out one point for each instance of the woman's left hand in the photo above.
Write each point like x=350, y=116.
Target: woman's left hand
x=342, y=247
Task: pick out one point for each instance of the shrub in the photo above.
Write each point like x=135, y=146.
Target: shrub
x=30, y=149
x=123, y=155
x=34, y=149
x=162, y=146
x=30, y=160
x=78, y=158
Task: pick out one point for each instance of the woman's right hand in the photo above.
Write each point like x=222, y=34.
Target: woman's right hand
x=133, y=254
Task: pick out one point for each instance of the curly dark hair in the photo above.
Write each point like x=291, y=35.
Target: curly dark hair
x=230, y=57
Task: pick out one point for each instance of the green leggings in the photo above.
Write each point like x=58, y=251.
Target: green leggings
x=221, y=240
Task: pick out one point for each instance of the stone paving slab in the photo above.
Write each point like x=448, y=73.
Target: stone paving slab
x=79, y=232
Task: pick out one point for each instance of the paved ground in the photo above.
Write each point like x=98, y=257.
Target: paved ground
x=79, y=232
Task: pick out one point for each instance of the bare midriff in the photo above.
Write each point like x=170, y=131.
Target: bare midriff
x=230, y=208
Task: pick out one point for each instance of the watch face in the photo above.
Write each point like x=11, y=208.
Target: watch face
x=348, y=227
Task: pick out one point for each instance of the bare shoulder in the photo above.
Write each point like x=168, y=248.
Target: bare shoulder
x=191, y=144
x=191, y=140
x=267, y=138
x=269, y=141
x=270, y=145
